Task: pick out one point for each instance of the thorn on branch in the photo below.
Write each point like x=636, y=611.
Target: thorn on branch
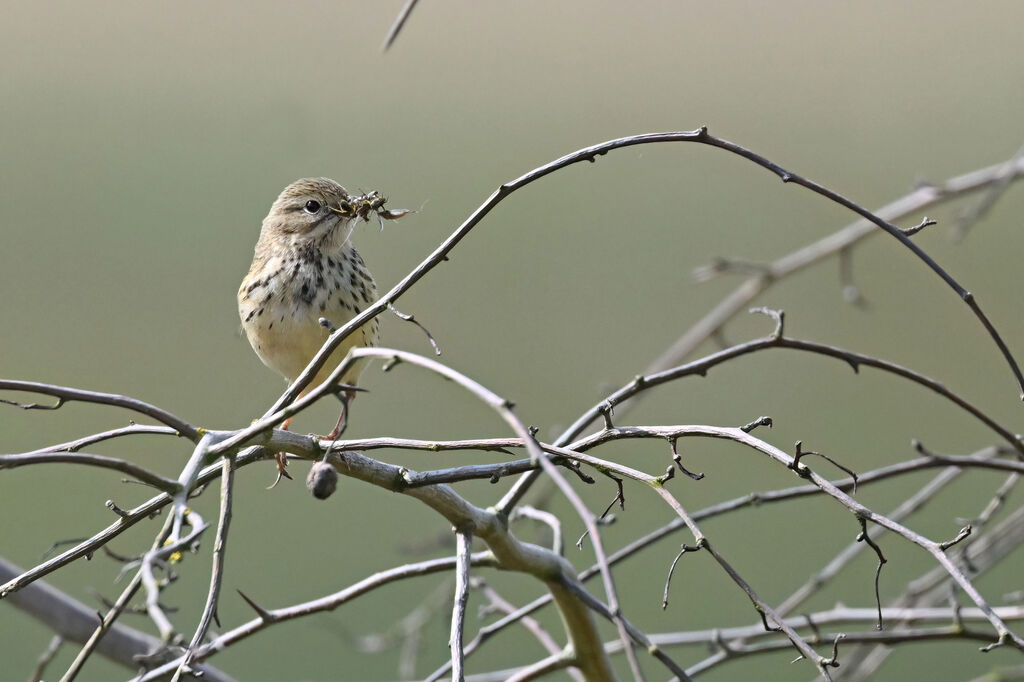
x=778, y=315
x=607, y=410
x=921, y=449
x=264, y=615
x=678, y=459
x=412, y=319
x=671, y=569
x=391, y=364
x=760, y=421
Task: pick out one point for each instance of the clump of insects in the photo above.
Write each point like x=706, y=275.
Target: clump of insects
x=364, y=205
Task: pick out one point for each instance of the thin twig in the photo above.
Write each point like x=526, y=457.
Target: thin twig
x=969, y=217
x=113, y=612
x=227, y=481
x=44, y=659
x=168, y=485
x=463, y=541
x=396, y=26
x=65, y=394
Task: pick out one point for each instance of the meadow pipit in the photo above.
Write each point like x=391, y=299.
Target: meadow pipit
x=304, y=269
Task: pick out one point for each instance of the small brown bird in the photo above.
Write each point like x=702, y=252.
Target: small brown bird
x=304, y=269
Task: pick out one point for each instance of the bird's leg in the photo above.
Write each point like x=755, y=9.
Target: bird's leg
x=346, y=399
x=282, y=458
x=346, y=396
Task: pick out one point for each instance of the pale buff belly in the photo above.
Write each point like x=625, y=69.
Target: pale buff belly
x=287, y=345
x=280, y=316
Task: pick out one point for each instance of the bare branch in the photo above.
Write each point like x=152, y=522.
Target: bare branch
x=227, y=480
x=75, y=622
x=923, y=197
x=412, y=320
x=1008, y=172
x=462, y=552
x=396, y=26
x=148, y=477
x=65, y=394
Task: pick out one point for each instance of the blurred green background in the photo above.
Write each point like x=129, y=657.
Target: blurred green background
x=143, y=143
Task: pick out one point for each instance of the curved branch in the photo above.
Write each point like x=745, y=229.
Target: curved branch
x=590, y=154
x=935, y=549
x=66, y=394
x=701, y=366
x=743, y=295
x=168, y=485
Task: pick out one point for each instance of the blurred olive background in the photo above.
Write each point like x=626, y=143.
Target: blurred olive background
x=143, y=143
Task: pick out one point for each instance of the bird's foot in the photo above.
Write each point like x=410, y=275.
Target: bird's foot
x=282, y=469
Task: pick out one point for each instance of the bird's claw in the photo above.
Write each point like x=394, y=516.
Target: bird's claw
x=282, y=469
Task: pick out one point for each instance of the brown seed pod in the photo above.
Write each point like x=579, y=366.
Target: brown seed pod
x=322, y=480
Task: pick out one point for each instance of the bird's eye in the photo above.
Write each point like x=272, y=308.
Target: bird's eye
x=312, y=207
